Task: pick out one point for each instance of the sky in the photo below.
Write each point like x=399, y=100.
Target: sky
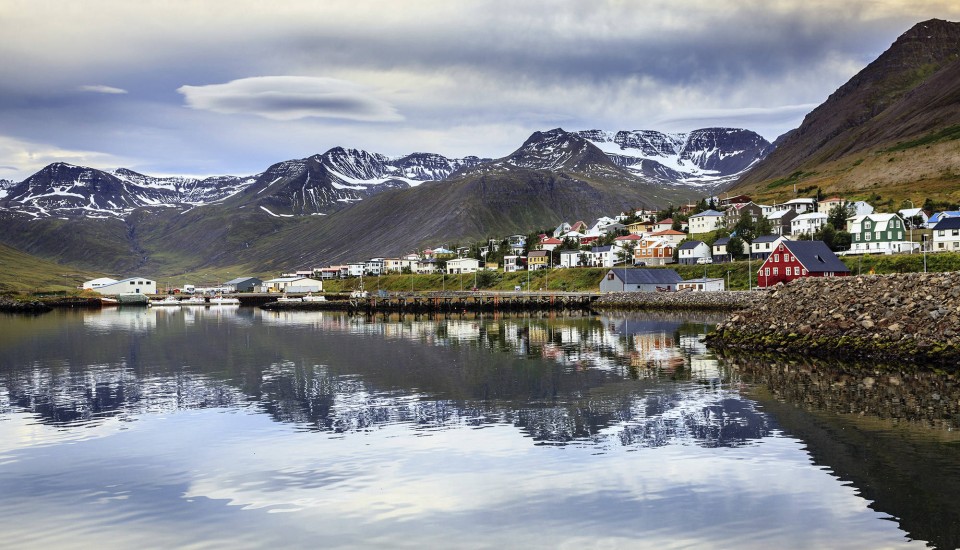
x=171, y=87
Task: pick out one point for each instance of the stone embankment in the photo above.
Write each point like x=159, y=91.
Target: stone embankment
x=913, y=317
x=679, y=300
x=9, y=305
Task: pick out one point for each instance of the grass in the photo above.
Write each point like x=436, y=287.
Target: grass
x=23, y=273
x=946, y=134
x=792, y=179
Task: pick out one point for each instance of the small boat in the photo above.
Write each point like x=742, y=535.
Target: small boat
x=284, y=298
x=311, y=298
x=219, y=300
x=169, y=301
x=194, y=301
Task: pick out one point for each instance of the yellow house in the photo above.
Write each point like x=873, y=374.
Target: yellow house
x=538, y=259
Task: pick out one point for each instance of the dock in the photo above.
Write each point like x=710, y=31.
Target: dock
x=437, y=302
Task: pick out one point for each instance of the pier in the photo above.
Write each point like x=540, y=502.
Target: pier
x=438, y=302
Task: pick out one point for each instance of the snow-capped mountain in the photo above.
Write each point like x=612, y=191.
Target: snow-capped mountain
x=324, y=183
x=705, y=158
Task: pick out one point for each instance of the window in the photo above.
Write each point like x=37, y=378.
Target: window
x=786, y=257
x=767, y=272
x=804, y=272
x=132, y=283
x=609, y=276
x=867, y=236
x=775, y=271
x=857, y=236
x=789, y=271
x=776, y=257
x=941, y=233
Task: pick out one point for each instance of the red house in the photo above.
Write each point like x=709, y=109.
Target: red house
x=795, y=259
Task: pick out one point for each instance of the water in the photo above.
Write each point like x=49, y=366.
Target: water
x=209, y=428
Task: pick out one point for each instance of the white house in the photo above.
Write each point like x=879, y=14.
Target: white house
x=799, y=205
x=373, y=266
x=671, y=236
x=603, y=256
x=762, y=246
x=861, y=208
x=703, y=285
x=462, y=265
x=808, y=223
x=706, y=221
x=692, y=252
x=570, y=258
x=133, y=285
x=946, y=235
x=826, y=205
x=908, y=214
x=511, y=264
x=355, y=269
x=97, y=283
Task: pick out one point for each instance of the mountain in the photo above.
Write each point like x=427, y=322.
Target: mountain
x=894, y=124
x=704, y=159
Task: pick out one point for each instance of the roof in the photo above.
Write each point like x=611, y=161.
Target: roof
x=647, y=276
x=690, y=245
x=630, y=237
x=944, y=215
x=800, y=200
x=781, y=213
x=667, y=220
x=551, y=241
x=721, y=241
x=767, y=238
x=948, y=223
x=668, y=232
x=816, y=256
x=239, y=280
x=537, y=253
x=707, y=213
x=811, y=216
x=601, y=248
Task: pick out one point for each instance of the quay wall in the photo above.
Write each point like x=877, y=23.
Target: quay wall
x=909, y=318
x=732, y=300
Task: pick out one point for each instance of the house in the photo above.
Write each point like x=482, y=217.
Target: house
x=462, y=265
x=427, y=266
x=739, y=199
x=603, y=256
x=640, y=280
x=97, y=283
x=571, y=258
x=946, y=235
x=327, y=273
x=808, y=223
x=373, y=267
x=243, y=284
x=795, y=259
x=799, y=205
x=734, y=213
x=706, y=221
x=693, y=252
x=293, y=284
x=780, y=221
x=939, y=216
x=355, y=269
x=703, y=285
x=762, y=246
x=512, y=263
x=642, y=228
x=561, y=229
x=538, y=259
x=826, y=205
x=663, y=225
x=861, y=208
x=909, y=215
x=878, y=233
x=653, y=251
x=550, y=244
x=719, y=252
x=579, y=227
x=672, y=236
x=132, y=285
x=627, y=242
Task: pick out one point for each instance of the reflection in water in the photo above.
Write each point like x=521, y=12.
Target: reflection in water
x=890, y=432
x=516, y=430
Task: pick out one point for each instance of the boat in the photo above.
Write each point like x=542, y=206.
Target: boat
x=194, y=301
x=220, y=300
x=284, y=298
x=169, y=301
x=311, y=298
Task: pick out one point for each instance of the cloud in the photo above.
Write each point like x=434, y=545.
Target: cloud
x=291, y=98
x=101, y=89
x=27, y=157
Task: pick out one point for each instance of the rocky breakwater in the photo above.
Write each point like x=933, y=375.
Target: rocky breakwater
x=913, y=318
x=10, y=305
x=678, y=300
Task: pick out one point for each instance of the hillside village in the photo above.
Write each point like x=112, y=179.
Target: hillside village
x=801, y=237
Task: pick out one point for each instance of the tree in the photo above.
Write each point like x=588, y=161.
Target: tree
x=735, y=248
x=763, y=227
x=838, y=216
x=625, y=255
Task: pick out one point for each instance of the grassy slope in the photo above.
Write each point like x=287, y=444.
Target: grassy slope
x=21, y=272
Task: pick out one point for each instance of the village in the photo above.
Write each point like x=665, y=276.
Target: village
x=802, y=237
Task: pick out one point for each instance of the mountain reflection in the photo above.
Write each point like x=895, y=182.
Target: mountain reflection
x=637, y=381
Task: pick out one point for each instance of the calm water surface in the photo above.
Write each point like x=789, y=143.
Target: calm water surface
x=237, y=428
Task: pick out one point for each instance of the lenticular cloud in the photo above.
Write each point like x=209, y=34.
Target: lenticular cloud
x=291, y=98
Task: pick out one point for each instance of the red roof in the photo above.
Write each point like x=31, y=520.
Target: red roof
x=551, y=240
x=630, y=237
x=668, y=232
x=668, y=220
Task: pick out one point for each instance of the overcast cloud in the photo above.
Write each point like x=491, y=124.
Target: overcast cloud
x=184, y=87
